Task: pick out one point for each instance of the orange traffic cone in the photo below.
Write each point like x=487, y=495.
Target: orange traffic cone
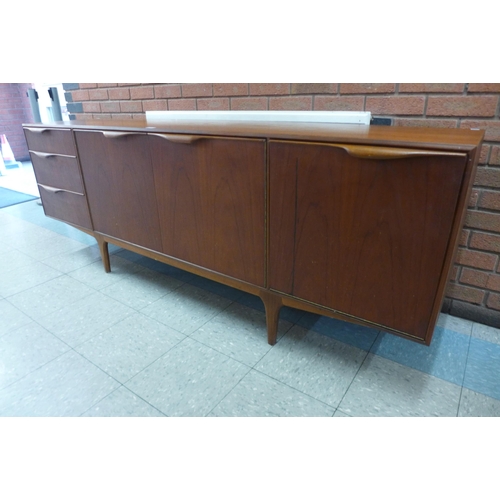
x=8, y=155
x=3, y=170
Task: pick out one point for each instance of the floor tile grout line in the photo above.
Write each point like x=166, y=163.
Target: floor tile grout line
x=358, y=370
x=465, y=372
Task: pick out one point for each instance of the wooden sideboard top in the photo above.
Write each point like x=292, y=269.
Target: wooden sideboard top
x=419, y=137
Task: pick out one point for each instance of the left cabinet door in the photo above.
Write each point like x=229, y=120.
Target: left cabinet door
x=119, y=181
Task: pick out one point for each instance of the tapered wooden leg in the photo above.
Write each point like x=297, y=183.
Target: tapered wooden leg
x=103, y=248
x=273, y=304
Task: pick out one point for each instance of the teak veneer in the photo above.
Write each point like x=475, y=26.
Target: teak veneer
x=355, y=222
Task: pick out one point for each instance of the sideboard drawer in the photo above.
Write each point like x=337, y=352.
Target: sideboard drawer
x=50, y=140
x=65, y=205
x=57, y=170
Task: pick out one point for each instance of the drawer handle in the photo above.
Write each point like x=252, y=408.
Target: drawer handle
x=178, y=138
x=37, y=130
x=54, y=190
x=381, y=153
x=42, y=155
x=115, y=135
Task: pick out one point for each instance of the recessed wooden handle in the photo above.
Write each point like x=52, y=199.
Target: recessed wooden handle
x=384, y=153
x=36, y=130
x=114, y=135
x=54, y=190
x=179, y=138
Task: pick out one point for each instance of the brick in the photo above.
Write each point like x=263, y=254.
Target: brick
x=487, y=177
x=474, y=277
x=454, y=273
x=339, y=103
x=484, y=155
x=462, y=106
x=396, y=105
x=491, y=128
x=110, y=107
x=213, y=103
x=102, y=116
x=230, y=89
x=495, y=156
x=142, y=92
x=269, y=88
x=130, y=106
x=128, y=84
x=167, y=91
x=119, y=94
x=74, y=107
x=80, y=95
x=493, y=301
x=426, y=122
x=367, y=88
x=249, y=103
x=302, y=103
x=91, y=107
x=106, y=85
x=483, y=220
x=484, y=87
x=121, y=116
x=431, y=87
x=493, y=282
x=478, y=260
x=483, y=241
x=196, y=90
x=71, y=86
x=182, y=104
x=465, y=293
x=155, y=105
x=98, y=94
x=314, y=88
x=88, y=85
x=490, y=200
x=464, y=237
x=473, y=198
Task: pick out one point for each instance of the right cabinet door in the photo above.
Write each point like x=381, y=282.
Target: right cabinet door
x=365, y=236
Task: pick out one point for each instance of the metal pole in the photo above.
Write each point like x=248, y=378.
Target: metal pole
x=56, y=106
x=33, y=96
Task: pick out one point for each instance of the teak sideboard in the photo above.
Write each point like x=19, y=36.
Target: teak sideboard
x=359, y=223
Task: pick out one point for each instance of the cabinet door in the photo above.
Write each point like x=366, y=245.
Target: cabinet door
x=211, y=200
x=119, y=182
x=365, y=237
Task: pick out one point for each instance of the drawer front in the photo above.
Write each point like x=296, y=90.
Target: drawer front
x=57, y=170
x=65, y=206
x=50, y=140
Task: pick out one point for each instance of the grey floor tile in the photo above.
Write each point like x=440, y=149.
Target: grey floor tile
x=22, y=278
x=487, y=333
x=189, y=380
x=129, y=346
x=482, y=373
x=122, y=403
x=11, y=317
x=25, y=349
x=13, y=259
x=94, y=275
x=474, y=404
x=52, y=246
x=75, y=259
x=67, y=386
x=83, y=319
x=339, y=413
x=314, y=364
x=142, y=288
x=239, y=332
x=49, y=297
x=187, y=308
x=384, y=388
x=258, y=395
x=455, y=324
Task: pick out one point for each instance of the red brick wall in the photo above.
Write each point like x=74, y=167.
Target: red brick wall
x=14, y=110
x=474, y=290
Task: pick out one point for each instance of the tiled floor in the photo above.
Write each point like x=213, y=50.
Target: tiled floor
x=150, y=340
